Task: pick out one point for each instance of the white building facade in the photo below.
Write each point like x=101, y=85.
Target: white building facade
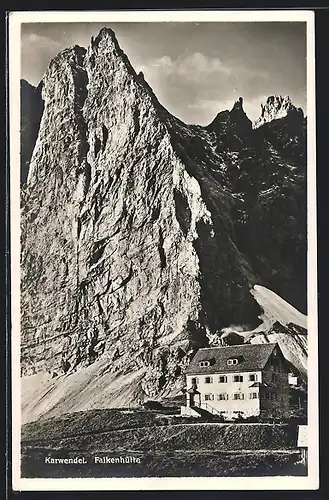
x=244, y=380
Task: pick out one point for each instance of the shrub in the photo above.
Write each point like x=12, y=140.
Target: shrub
x=152, y=405
x=238, y=418
x=253, y=419
x=219, y=418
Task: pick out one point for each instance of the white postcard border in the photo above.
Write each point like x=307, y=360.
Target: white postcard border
x=310, y=482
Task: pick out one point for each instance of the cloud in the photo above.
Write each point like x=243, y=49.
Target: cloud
x=40, y=40
x=193, y=67
x=197, y=86
x=198, y=66
x=215, y=105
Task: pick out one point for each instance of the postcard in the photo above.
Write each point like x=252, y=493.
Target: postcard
x=163, y=250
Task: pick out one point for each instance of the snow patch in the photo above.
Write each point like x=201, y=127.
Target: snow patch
x=277, y=309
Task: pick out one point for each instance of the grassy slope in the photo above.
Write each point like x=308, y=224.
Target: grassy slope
x=146, y=430
x=90, y=423
x=166, y=444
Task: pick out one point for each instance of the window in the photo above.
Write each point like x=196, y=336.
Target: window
x=274, y=396
x=237, y=378
x=195, y=380
x=274, y=377
x=208, y=397
x=222, y=379
x=204, y=363
x=232, y=361
x=253, y=395
x=208, y=380
x=275, y=364
x=238, y=395
x=222, y=397
x=253, y=377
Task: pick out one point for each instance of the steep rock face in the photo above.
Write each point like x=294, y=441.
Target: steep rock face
x=265, y=171
x=141, y=235
x=49, y=255
x=277, y=209
x=121, y=254
x=31, y=112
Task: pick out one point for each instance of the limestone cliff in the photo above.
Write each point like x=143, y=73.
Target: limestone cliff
x=132, y=248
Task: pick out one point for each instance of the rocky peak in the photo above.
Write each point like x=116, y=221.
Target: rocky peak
x=233, y=125
x=276, y=107
x=105, y=45
x=238, y=105
x=60, y=76
x=73, y=55
x=105, y=34
x=239, y=116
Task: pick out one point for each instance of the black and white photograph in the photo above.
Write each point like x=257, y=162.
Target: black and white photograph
x=163, y=250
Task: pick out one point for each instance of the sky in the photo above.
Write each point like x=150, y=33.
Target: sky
x=195, y=69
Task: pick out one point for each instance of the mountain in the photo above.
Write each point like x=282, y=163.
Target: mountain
x=141, y=235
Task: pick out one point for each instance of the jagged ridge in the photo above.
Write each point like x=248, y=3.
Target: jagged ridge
x=275, y=108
